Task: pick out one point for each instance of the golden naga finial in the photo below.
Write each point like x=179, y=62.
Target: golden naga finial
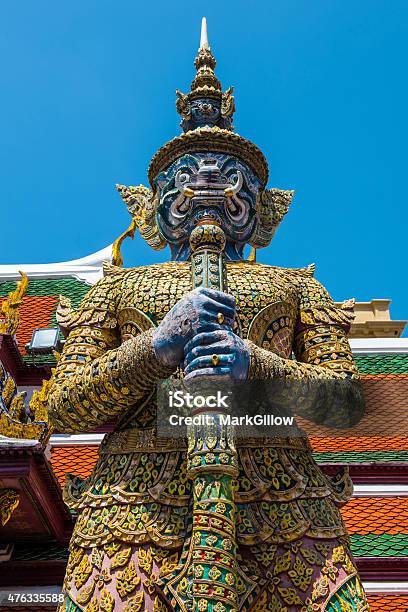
x=117, y=258
x=39, y=403
x=252, y=255
x=9, y=500
x=9, y=314
x=16, y=421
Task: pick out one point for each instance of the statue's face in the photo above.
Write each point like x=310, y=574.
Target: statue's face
x=207, y=188
x=205, y=111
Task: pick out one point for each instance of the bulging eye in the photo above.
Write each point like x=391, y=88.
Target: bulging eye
x=180, y=181
x=184, y=177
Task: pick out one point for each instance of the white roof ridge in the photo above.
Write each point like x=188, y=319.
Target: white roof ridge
x=88, y=268
x=379, y=345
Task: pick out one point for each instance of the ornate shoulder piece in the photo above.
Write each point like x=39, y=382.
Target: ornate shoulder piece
x=9, y=314
x=347, y=309
x=65, y=315
x=228, y=103
x=317, y=307
x=142, y=205
x=310, y=269
x=348, y=304
x=273, y=204
x=183, y=106
x=90, y=313
x=110, y=269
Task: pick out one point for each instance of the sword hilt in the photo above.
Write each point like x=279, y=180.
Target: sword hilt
x=207, y=260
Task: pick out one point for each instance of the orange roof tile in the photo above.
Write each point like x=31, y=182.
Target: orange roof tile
x=384, y=376
x=376, y=515
x=77, y=460
x=35, y=311
x=384, y=415
x=40, y=302
x=328, y=444
x=388, y=603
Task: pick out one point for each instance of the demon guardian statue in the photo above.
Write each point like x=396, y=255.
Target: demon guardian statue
x=214, y=525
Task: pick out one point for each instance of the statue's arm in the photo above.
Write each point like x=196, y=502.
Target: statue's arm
x=97, y=378
x=322, y=353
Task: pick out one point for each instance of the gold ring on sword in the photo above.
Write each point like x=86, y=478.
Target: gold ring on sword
x=220, y=318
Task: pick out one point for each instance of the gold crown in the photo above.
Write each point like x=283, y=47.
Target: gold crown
x=215, y=136
x=213, y=139
x=204, y=132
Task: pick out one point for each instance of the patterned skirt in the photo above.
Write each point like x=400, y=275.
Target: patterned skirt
x=306, y=575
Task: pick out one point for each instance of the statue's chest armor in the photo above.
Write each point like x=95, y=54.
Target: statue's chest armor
x=266, y=301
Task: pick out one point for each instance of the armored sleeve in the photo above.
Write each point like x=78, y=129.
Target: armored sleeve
x=322, y=353
x=97, y=377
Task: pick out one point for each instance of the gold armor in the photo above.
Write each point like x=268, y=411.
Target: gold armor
x=133, y=511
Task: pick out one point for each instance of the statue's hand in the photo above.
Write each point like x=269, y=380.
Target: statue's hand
x=196, y=312
x=232, y=353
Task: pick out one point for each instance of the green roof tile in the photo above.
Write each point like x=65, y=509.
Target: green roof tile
x=362, y=457
x=69, y=287
x=382, y=363
x=40, y=360
x=384, y=545
x=39, y=552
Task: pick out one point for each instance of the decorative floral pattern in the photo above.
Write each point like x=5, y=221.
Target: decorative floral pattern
x=134, y=511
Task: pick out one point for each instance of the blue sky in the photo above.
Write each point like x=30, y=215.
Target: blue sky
x=88, y=97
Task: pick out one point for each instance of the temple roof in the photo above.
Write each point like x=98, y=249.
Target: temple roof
x=40, y=303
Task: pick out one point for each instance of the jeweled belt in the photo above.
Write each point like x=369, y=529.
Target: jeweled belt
x=146, y=440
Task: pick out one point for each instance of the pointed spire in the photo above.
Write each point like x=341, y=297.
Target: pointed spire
x=204, y=35
x=205, y=104
x=205, y=80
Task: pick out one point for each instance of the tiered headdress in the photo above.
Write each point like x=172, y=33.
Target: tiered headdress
x=206, y=113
